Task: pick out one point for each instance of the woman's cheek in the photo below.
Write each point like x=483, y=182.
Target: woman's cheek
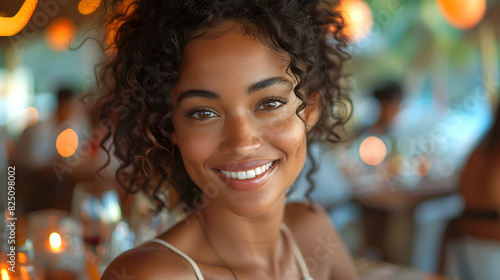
x=288, y=134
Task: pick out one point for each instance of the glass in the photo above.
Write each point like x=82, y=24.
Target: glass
x=97, y=206
x=56, y=242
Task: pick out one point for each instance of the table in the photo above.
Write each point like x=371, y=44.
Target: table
x=388, y=215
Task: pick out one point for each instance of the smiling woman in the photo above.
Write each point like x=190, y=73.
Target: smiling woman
x=220, y=99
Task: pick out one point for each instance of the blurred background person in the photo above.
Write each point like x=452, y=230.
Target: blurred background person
x=471, y=246
x=480, y=178
x=389, y=96
x=40, y=179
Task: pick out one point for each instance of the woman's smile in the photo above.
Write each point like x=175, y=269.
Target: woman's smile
x=242, y=177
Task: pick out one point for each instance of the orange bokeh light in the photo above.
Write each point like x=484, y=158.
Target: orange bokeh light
x=127, y=8
x=30, y=116
x=463, y=14
x=358, y=19
x=67, y=142
x=60, y=34
x=86, y=7
x=10, y=26
x=5, y=274
x=372, y=150
x=22, y=258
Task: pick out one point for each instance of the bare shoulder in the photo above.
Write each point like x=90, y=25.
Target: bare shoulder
x=318, y=240
x=304, y=219
x=149, y=262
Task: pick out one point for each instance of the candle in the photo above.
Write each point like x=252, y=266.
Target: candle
x=55, y=242
x=5, y=274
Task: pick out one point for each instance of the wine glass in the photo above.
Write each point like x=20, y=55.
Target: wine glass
x=97, y=206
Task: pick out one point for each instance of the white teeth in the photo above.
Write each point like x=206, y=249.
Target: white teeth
x=248, y=174
x=242, y=175
x=258, y=171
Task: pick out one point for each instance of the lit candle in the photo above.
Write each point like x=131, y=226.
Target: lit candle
x=55, y=242
x=5, y=274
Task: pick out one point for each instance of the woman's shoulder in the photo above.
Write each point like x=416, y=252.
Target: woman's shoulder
x=320, y=244
x=310, y=215
x=148, y=261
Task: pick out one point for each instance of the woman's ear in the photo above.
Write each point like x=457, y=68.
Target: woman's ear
x=311, y=114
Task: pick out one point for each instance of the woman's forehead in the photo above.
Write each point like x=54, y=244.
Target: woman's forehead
x=231, y=56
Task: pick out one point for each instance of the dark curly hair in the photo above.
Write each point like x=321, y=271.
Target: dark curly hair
x=135, y=78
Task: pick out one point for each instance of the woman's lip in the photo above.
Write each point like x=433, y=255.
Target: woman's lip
x=243, y=166
x=247, y=184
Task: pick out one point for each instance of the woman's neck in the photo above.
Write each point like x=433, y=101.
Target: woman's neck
x=253, y=241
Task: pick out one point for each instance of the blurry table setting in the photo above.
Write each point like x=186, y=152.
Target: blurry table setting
x=54, y=244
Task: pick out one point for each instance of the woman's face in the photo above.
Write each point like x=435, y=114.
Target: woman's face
x=235, y=123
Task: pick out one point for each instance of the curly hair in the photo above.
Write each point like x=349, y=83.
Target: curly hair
x=134, y=81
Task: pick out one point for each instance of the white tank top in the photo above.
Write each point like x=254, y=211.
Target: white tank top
x=295, y=248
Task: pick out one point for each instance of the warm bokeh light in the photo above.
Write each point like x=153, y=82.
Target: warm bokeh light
x=86, y=7
x=5, y=274
x=421, y=166
x=55, y=242
x=24, y=273
x=10, y=26
x=30, y=116
x=125, y=7
x=372, y=150
x=67, y=142
x=358, y=19
x=21, y=257
x=60, y=34
x=463, y=14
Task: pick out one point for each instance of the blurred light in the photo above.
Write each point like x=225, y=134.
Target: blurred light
x=60, y=33
x=372, y=150
x=67, y=142
x=24, y=273
x=463, y=14
x=10, y=26
x=55, y=242
x=125, y=8
x=421, y=166
x=21, y=257
x=30, y=116
x=5, y=275
x=86, y=7
x=358, y=19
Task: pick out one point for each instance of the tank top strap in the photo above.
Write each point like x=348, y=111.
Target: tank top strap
x=296, y=251
x=193, y=264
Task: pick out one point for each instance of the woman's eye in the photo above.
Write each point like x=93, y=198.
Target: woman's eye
x=202, y=114
x=270, y=105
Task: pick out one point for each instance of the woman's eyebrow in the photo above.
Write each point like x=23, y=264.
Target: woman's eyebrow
x=268, y=83
x=251, y=89
x=197, y=93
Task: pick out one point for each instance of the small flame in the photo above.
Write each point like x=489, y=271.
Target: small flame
x=55, y=241
x=5, y=275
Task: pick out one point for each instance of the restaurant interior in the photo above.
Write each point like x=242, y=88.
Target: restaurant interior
x=413, y=187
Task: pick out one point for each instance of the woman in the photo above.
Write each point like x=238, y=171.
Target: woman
x=220, y=99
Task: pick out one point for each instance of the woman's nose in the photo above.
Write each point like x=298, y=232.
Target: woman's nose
x=241, y=136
